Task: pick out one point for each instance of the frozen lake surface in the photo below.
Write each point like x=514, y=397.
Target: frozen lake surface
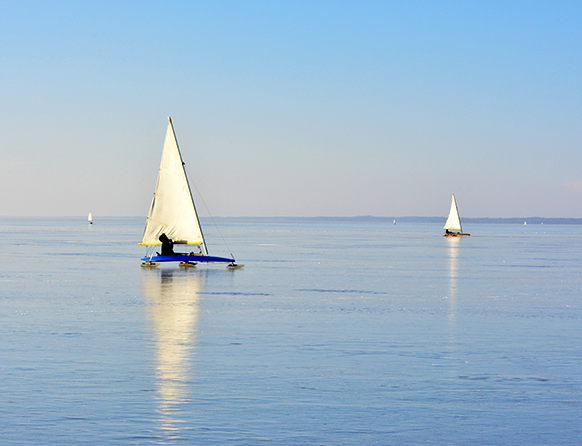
x=332, y=334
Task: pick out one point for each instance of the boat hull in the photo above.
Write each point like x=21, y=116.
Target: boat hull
x=187, y=258
x=456, y=234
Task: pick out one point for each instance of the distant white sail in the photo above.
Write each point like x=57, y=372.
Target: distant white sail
x=453, y=222
x=172, y=211
x=90, y=217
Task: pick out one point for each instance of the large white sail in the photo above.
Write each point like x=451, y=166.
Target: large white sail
x=453, y=222
x=172, y=211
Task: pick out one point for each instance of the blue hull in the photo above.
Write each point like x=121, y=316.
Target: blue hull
x=188, y=258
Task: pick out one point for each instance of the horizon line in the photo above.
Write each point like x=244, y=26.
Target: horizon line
x=410, y=219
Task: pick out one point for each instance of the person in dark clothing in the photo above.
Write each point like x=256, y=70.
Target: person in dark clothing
x=167, y=245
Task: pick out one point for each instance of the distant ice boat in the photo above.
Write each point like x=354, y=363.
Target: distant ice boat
x=90, y=218
x=453, y=226
x=394, y=222
x=525, y=223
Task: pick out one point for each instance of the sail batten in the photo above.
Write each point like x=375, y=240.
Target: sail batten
x=172, y=210
x=454, y=221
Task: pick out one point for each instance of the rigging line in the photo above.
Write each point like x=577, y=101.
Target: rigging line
x=207, y=210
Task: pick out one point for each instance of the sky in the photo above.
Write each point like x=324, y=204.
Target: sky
x=293, y=108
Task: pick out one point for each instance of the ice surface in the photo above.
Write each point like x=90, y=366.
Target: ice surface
x=333, y=333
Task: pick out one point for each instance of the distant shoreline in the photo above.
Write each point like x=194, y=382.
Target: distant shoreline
x=356, y=219
x=439, y=220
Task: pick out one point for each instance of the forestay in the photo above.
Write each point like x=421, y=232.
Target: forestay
x=172, y=211
x=453, y=222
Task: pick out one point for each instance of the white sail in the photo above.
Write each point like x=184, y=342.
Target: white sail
x=453, y=222
x=172, y=211
x=90, y=217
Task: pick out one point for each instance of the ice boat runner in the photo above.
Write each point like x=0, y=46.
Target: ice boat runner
x=173, y=220
x=453, y=225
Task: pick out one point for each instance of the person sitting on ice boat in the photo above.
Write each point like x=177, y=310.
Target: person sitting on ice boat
x=167, y=245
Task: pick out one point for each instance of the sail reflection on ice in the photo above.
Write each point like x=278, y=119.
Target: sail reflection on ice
x=453, y=254
x=172, y=302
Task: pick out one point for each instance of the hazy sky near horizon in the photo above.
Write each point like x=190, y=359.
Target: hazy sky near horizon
x=294, y=108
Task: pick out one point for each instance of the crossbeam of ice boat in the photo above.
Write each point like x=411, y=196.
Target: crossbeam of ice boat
x=191, y=258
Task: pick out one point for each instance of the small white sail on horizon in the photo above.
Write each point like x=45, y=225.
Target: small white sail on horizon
x=172, y=210
x=453, y=222
x=90, y=218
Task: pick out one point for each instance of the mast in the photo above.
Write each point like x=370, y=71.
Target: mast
x=458, y=216
x=204, y=249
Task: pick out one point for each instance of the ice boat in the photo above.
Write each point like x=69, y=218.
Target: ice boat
x=173, y=221
x=453, y=226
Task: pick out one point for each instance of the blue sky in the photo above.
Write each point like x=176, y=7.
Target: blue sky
x=297, y=108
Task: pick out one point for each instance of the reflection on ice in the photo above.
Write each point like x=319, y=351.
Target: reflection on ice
x=172, y=298
x=453, y=252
